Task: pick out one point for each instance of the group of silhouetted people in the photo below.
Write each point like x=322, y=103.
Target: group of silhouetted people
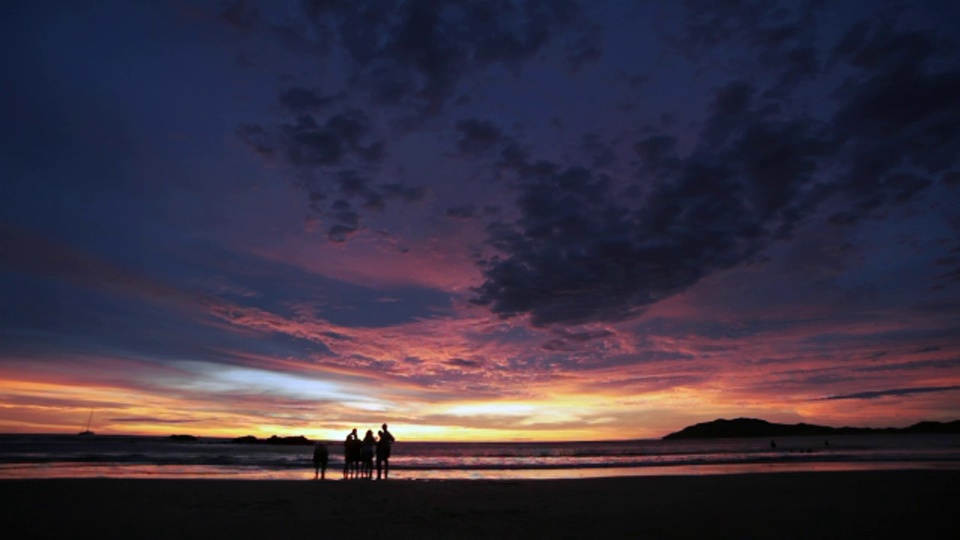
x=358, y=455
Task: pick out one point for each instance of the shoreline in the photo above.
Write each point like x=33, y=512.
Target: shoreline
x=858, y=504
x=122, y=471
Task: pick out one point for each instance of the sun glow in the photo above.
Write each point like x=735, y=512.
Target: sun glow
x=493, y=409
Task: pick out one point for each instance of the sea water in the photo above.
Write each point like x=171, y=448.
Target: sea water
x=69, y=456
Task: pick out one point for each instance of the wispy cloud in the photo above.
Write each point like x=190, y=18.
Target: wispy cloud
x=893, y=392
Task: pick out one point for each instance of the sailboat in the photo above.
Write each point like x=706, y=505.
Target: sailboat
x=86, y=428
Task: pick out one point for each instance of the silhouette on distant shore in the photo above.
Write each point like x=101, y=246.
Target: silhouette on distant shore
x=320, y=457
x=298, y=440
x=752, y=427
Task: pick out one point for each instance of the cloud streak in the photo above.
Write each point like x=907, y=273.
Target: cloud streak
x=893, y=392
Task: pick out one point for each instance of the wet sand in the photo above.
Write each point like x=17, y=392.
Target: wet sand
x=872, y=504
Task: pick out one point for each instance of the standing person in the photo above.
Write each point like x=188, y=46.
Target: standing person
x=366, y=454
x=351, y=452
x=383, y=451
x=381, y=444
x=320, y=458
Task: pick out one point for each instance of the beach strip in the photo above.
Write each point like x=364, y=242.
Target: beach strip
x=855, y=504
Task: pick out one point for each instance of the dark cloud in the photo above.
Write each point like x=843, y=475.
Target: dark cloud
x=463, y=363
x=913, y=366
x=582, y=252
x=589, y=249
x=465, y=211
x=635, y=80
x=471, y=211
x=599, y=153
x=953, y=275
x=558, y=345
x=477, y=137
x=658, y=154
x=582, y=336
x=239, y=14
x=352, y=184
x=341, y=137
x=899, y=115
x=310, y=145
x=895, y=392
x=404, y=192
x=327, y=158
x=415, y=53
x=774, y=38
x=299, y=100
x=404, y=59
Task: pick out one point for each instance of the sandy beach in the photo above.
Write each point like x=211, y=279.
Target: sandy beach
x=916, y=504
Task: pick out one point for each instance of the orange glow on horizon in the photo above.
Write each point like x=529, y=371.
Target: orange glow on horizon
x=325, y=404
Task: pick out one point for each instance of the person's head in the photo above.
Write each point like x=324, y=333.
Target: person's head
x=354, y=432
x=369, y=433
x=384, y=426
x=379, y=434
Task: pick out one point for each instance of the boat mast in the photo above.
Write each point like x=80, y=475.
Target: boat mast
x=86, y=428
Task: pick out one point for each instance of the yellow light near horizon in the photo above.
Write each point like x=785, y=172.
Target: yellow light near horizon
x=436, y=433
x=492, y=408
x=557, y=413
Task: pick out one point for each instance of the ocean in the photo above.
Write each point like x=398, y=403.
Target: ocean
x=109, y=456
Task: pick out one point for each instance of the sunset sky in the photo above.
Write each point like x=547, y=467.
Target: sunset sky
x=477, y=220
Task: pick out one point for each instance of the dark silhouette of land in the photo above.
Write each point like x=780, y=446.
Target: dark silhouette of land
x=753, y=427
x=299, y=440
x=183, y=438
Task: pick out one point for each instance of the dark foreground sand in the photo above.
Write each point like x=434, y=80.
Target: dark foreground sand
x=881, y=504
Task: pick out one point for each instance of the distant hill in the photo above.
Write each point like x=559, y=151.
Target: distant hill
x=753, y=427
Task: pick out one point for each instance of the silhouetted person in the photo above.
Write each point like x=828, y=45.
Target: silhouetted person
x=380, y=453
x=351, y=453
x=383, y=452
x=366, y=454
x=320, y=458
x=773, y=444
